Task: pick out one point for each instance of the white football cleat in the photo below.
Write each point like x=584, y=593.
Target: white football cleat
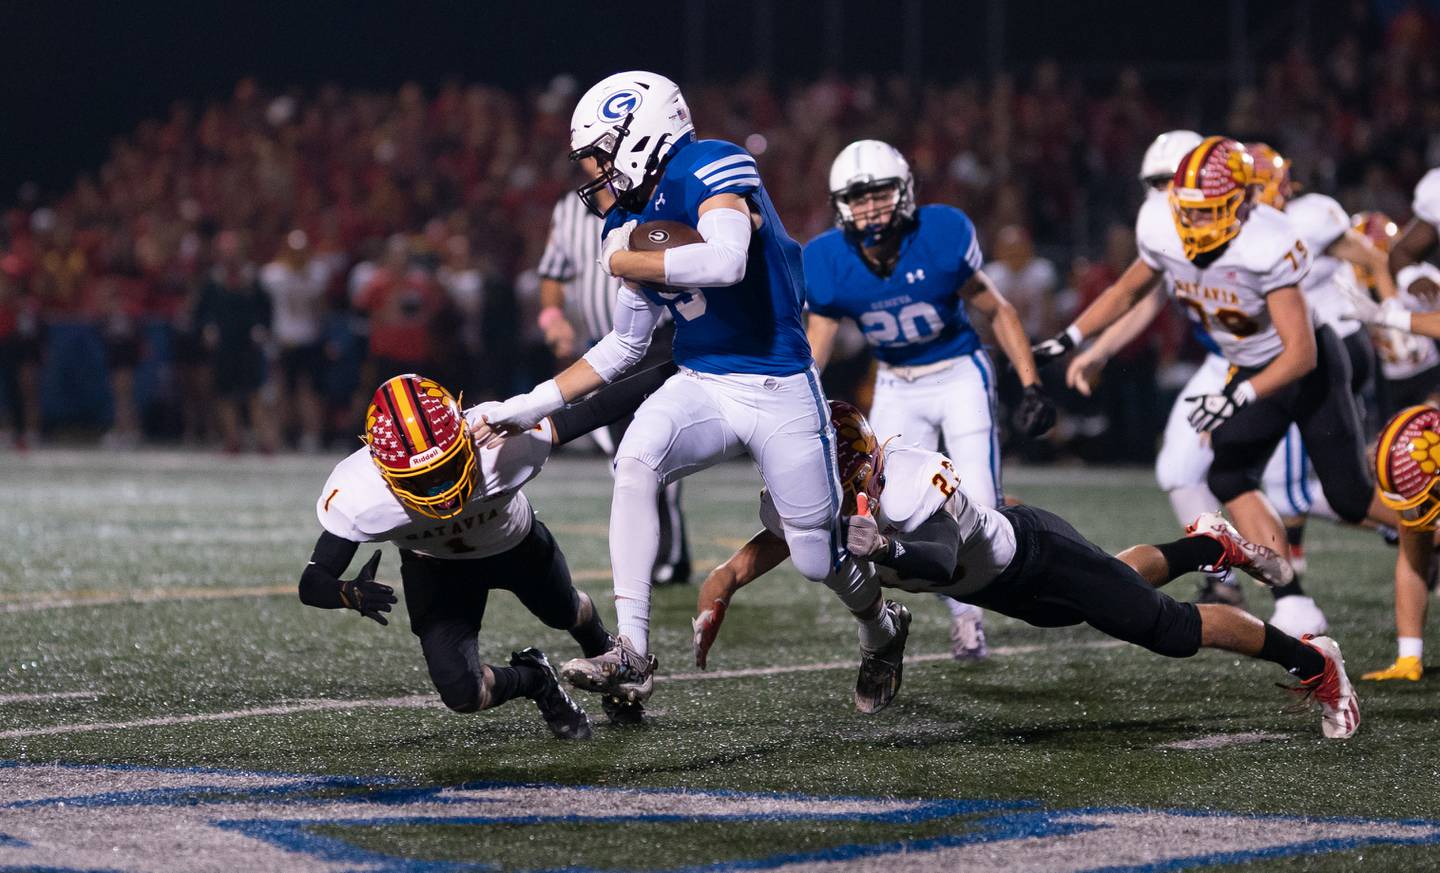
x=967, y=637
x=622, y=672
x=1266, y=565
x=1339, y=706
x=1297, y=615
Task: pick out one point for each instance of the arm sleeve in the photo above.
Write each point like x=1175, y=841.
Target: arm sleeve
x=611, y=403
x=320, y=581
x=556, y=263
x=718, y=261
x=626, y=343
x=928, y=552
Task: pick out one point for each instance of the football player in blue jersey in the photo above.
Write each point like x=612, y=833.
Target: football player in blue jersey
x=904, y=275
x=747, y=382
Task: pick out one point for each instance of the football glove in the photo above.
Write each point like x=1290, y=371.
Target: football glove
x=1057, y=346
x=1213, y=410
x=618, y=240
x=518, y=414
x=862, y=533
x=366, y=596
x=1036, y=413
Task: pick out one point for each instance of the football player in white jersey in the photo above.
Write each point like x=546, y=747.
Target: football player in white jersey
x=463, y=528
x=905, y=274
x=1419, y=240
x=914, y=521
x=1236, y=266
x=1408, y=361
x=747, y=382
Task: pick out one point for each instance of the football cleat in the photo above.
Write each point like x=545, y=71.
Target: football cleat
x=623, y=712
x=879, y=679
x=1339, y=706
x=564, y=716
x=1265, y=565
x=1407, y=668
x=1220, y=588
x=967, y=637
x=622, y=672
x=1297, y=615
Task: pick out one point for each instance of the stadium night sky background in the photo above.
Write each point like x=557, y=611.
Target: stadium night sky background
x=73, y=75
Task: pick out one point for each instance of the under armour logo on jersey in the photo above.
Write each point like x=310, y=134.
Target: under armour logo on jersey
x=913, y=276
x=660, y=201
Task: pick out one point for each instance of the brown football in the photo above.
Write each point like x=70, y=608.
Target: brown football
x=656, y=236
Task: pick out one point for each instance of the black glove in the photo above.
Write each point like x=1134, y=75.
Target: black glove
x=1048, y=350
x=366, y=596
x=1036, y=414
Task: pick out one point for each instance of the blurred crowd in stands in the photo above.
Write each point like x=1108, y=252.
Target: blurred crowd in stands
x=242, y=272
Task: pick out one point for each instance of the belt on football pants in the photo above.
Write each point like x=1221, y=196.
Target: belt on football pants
x=910, y=374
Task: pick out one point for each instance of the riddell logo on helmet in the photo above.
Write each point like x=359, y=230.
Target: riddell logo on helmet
x=620, y=104
x=425, y=457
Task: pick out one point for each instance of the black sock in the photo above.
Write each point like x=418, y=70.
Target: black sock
x=1301, y=660
x=1291, y=590
x=592, y=636
x=1188, y=554
x=511, y=682
x=1295, y=536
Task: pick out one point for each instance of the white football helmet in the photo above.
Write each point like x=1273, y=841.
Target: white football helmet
x=1163, y=156
x=864, y=166
x=630, y=123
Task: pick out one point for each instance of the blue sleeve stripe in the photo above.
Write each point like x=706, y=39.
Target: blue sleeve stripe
x=722, y=163
x=746, y=170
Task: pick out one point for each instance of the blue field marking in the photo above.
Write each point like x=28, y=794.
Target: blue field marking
x=984, y=821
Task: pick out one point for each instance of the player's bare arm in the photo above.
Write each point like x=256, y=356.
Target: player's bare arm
x=1416, y=242
x=715, y=263
x=763, y=553
x=1084, y=370
x=820, y=331
x=1137, y=280
x=1356, y=248
x=559, y=332
x=1291, y=317
x=982, y=294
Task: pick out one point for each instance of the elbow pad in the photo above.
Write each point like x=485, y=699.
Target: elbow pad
x=626, y=344
x=719, y=260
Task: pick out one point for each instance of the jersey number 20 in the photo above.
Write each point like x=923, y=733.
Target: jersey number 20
x=915, y=323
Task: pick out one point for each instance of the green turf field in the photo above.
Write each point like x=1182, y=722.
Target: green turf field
x=167, y=703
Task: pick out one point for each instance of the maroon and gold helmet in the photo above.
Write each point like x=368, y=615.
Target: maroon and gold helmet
x=1407, y=466
x=418, y=440
x=1272, y=174
x=1210, y=194
x=857, y=453
x=1380, y=230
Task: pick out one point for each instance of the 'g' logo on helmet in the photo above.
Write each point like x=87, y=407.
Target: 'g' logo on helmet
x=620, y=104
x=658, y=237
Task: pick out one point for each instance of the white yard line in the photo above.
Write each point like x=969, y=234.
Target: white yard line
x=49, y=695
x=153, y=595
x=1220, y=741
x=427, y=700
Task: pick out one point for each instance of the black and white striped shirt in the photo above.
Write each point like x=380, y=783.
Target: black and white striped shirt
x=572, y=256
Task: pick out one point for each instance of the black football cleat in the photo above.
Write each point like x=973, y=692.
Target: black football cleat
x=880, y=671
x=564, y=716
x=622, y=713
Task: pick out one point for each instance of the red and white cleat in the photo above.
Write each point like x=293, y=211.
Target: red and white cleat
x=1265, y=565
x=1339, y=706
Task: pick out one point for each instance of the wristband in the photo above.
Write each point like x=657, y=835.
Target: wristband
x=1076, y=337
x=549, y=315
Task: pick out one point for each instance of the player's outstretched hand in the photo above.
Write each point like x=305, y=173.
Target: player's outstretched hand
x=366, y=596
x=862, y=533
x=706, y=626
x=518, y=414
x=1036, y=414
x=1083, y=372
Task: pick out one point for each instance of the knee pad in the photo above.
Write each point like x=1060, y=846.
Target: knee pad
x=1176, y=633
x=463, y=693
x=814, y=551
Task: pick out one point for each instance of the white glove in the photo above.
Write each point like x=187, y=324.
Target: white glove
x=519, y=413
x=618, y=240
x=1391, y=313
x=1213, y=410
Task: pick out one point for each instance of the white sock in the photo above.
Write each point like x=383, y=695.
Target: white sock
x=1190, y=501
x=958, y=609
x=876, y=632
x=634, y=541
x=1412, y=647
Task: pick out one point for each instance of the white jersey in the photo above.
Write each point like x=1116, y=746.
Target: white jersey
x=1403, y=354
x=1320, y=222
x=357, y=505
x=1427, y=198
x=1227, y=297
x=918, y=484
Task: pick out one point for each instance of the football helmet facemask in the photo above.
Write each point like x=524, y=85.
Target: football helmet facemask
x=630, y=123
x=1163, y=156
x=1211, y=194
x=421, y=445
x=1407, y=466
x=858, y=454
x=872, y=176
x=1272, y=174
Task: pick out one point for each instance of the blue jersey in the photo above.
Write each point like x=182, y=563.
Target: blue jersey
x=755, y=325
x=914, y=315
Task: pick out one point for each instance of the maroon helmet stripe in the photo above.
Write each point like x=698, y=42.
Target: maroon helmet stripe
x=420, y=412
x=388, y=392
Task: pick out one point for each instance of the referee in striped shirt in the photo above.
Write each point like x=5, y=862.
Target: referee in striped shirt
x=571, y=260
